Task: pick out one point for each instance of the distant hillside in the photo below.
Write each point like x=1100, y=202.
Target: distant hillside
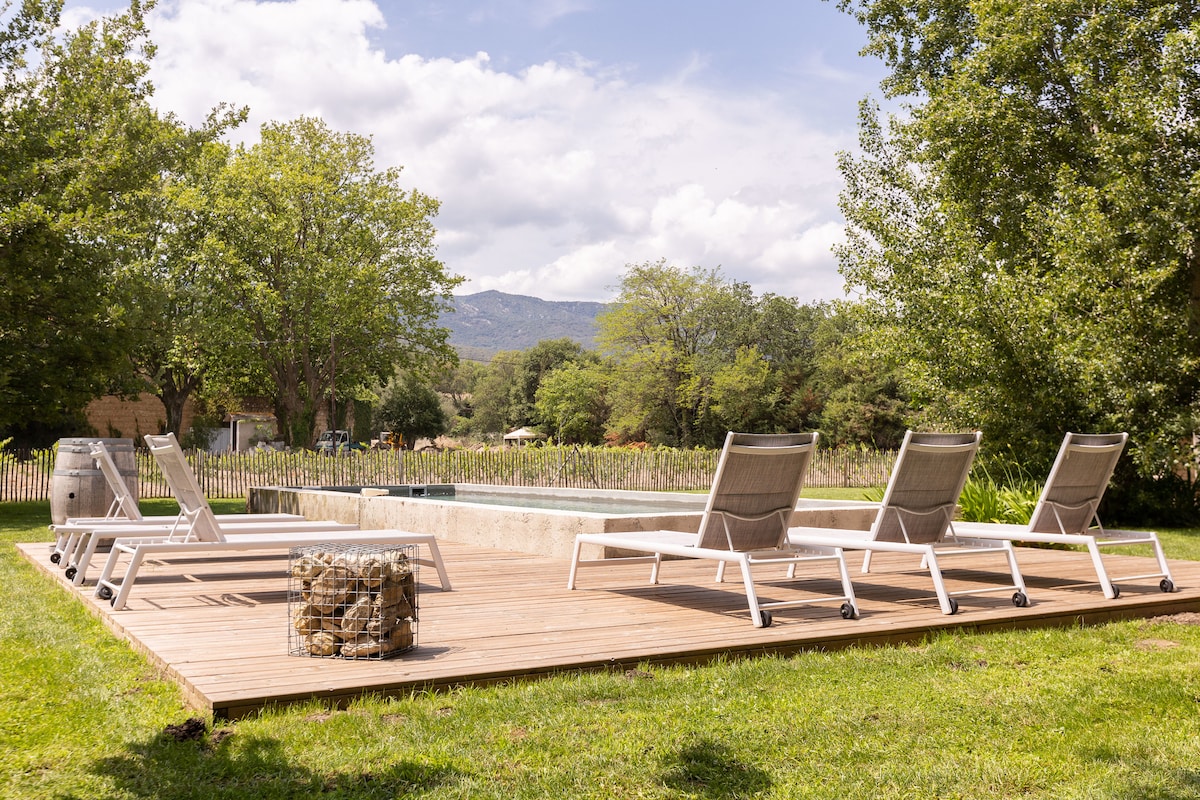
x=486, y=322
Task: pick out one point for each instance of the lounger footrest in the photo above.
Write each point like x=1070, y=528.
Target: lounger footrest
x=1117, y=578
x=986, y=590
x=1109, y=539
x=608, y=562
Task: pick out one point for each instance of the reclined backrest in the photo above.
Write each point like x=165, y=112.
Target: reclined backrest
x=122, y=498
x=1077, y=481
x=922, y=493
x=200, y=522
x=755, y=489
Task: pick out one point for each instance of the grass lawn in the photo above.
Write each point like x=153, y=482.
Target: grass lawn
x=834, y=494
x=1104, y=712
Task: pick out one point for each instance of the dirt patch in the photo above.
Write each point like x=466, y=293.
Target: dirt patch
x=1183, y=618
x=219, y=735
x=1156, y=644
x=190, y=731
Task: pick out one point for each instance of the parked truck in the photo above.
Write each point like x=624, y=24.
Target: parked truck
x=332, y=443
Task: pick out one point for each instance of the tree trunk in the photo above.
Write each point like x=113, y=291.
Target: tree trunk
x=174, y=392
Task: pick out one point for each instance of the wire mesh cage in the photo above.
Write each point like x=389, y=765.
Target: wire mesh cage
x=352, y=601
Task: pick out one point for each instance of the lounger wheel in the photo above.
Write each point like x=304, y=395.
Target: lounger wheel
x=766, y=618
x=1167, y=585
x=1116, y=591
x=848, y=611
x=55, y=558
x=70, y=573
x=104, y=593
x=1020, y=600
x=953, y=606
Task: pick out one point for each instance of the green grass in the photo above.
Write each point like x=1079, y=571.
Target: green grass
x=837, y=494
x=1105, y=712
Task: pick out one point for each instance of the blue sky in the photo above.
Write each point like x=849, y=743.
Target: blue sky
x=565, y=139
x=805, y=49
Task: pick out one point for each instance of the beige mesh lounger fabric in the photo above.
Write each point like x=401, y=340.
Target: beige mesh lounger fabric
x=917, y=513
x=205, y=536
x=745, y=522
x=1066, y=510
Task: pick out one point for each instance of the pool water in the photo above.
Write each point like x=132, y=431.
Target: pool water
x=576, y=503
x=608, y=502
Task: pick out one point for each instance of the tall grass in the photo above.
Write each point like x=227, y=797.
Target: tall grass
x=1011, y=499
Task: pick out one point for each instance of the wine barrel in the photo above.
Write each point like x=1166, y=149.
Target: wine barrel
x=78, y=487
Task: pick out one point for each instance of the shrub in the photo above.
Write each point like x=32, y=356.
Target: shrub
x=983, y=499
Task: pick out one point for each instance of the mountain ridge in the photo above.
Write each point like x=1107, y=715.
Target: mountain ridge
x=487, y=322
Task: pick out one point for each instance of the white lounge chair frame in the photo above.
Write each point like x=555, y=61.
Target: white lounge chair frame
x=917, y=515
x=72, y=547
x=205, y=536
x=1067, y=509
x=745, y=522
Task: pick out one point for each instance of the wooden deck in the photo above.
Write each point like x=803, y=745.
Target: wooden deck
x=220, y=626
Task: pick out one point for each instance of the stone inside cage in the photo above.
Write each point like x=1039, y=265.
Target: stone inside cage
x=353, y=603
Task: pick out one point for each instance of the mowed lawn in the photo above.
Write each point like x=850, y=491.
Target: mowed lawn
x=1103, y=712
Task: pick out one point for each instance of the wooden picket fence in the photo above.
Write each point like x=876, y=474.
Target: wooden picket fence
x=27, y=475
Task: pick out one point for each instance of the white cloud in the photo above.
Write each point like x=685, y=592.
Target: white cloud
x=553, y=178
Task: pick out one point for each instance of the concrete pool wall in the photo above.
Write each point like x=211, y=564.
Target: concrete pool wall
x=540, y=531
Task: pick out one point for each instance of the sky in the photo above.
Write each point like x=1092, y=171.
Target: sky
x=564, y=139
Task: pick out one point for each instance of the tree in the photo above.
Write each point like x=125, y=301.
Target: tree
x=786, y=334
x=1027, y=234
x=862, y=397
x=572, y=402
x=668, y=332
x=411, y=407
x=457, y=383
x=492, y=394
x=185, y=340
x=80, y=148
x=324, y=268
x=537, y=362
x=505, y=396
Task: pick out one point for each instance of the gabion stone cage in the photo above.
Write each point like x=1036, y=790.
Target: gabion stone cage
x=352, y=601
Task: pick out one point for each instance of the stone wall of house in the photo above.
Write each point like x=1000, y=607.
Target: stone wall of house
x=131, y=419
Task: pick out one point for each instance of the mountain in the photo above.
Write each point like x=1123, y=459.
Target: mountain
x=484, y=323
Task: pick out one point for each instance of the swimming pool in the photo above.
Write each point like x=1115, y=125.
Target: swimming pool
x=611, y=502
x=542, y=521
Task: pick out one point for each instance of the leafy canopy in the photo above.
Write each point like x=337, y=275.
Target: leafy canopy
x=324, y=269
x=1026, y=232
x=81, y=154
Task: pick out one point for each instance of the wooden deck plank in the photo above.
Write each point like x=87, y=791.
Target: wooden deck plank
x=220, y=626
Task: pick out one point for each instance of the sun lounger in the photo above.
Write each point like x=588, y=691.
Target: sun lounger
x=71, y=536
x=917, y=513
x=205, y=536
x=745, y=522
x=1066, y=510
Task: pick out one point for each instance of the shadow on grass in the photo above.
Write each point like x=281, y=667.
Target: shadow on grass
x=256, y=767
x=709, y=769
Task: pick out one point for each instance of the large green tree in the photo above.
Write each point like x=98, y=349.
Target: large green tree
x=670, y=333
x=491, y=394
x=186, y=344
x=572, y=402
x=80, y=151
x=1026, y=229
x=505, y=395
x=324, y=267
